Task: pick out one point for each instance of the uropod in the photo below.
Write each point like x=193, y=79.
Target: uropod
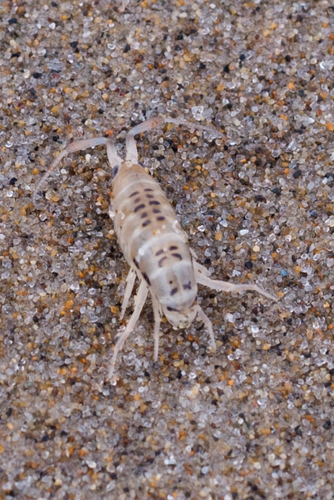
x=153, y=242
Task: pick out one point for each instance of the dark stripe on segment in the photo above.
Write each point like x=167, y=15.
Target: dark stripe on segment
x=139, y=207
x=159, y=252
x=146, y=223
x=137, y=200
x=114, y=171
x=148, y=189
x=161, y=261
x=156, y=211
x=143, y=215
x=173, y=247
x=171, y=309
x=149, y=196
x=133, y=194
x=187, y=286
x=177, y=256
x=161, y=217
x=173, y=291
x=154, y=202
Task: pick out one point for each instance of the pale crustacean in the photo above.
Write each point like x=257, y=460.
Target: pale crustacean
x=153, y=242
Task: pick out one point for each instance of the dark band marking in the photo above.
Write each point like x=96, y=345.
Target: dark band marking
x=136, y=263
x=146, y=223
x=159, y=252
x=171, y=309
x=173, y=291
x=137, y=200
x=148, y=189
x=177, y=256
x=187, y=286
x=156, y=211
x=154, y=202
x=161, y=217
x=146, y=278
x=114, y=171
x=139, y=207
x=143, y=215
x=173, y=247
x=149, y=196
x=161, y=261
x=133, y=194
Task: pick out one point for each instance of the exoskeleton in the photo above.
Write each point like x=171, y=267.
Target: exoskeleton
x=153, y=243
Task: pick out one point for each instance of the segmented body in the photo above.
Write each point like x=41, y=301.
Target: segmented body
x=152, y=240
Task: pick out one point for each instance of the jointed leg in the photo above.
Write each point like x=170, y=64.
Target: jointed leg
x=70, y=148
x=208, y=324
x=130, y=281
x=139, y=303
x=225, y=286
x=199, y=269
x=157, y=320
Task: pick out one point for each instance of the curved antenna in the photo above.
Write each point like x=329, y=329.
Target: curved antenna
x=70, y=148
x=193, y=125
x=131, y=148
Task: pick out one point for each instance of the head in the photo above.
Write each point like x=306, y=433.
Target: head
x=180, y=318
x=175, y=288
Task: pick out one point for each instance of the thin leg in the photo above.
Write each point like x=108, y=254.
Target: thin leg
x=225, y=286
x=208, y=324
x=139, y=303
x=130, y=281
x=70, y=148
x=193, y=253
x=202, y=270
x=131, y=148
x=157, y=320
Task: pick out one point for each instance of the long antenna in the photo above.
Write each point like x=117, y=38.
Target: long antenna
x=70, y=148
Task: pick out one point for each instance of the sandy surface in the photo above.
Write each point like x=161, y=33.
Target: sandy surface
x=253, y=421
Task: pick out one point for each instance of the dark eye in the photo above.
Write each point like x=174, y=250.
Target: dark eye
x=114, y=171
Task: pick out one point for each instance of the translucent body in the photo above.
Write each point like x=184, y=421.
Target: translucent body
x=153, y=242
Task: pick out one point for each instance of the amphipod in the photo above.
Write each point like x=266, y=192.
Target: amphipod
x=152, y=242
